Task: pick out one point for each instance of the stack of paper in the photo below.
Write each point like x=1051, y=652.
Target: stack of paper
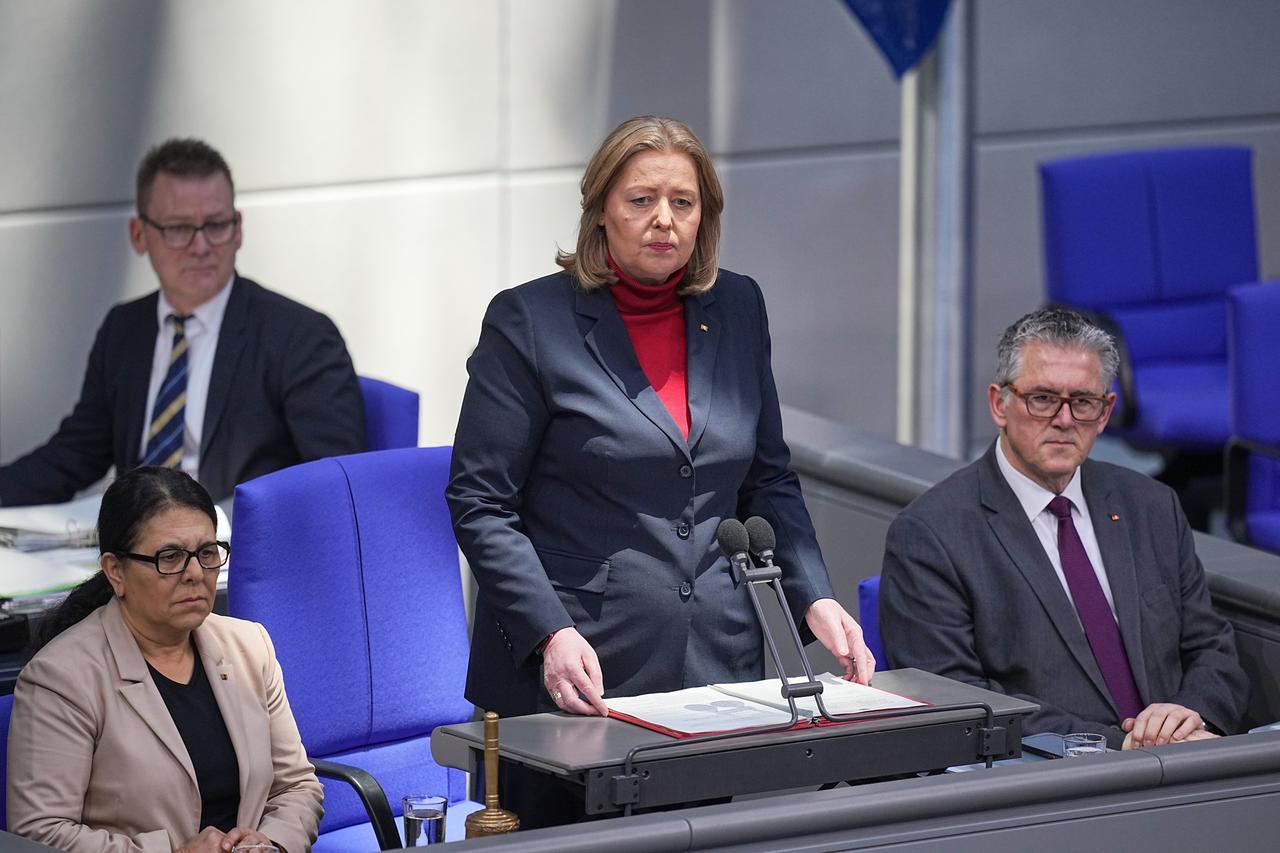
x=39, y=528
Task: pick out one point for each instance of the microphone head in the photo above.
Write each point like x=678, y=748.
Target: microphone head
x=732, y=537
x=760, y=535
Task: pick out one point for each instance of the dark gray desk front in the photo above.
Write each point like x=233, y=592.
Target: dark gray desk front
x=590, y=751
x=1217, y=795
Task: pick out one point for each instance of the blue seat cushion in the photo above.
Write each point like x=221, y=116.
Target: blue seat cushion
x=1184, y=403
x=1186, y=329
x=1264, y=529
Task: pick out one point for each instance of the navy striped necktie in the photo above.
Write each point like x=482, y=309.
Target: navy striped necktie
x=168, y=421
x=1099, y=623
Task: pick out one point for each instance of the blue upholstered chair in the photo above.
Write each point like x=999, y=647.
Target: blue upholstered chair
x=1148, y=242
x=6, y=708
x=351, y=564
x=390, y=414
x=869, y=618
x=1253, y=472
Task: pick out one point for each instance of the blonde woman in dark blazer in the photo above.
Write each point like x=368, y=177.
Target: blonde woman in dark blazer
x=145, y=722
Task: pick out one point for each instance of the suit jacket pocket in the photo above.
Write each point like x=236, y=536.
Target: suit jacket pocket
x=579, y=581
x=1162, y=635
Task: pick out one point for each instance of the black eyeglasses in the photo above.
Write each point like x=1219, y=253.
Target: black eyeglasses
x=174, y=561
x=216, y=233
x=1041, y=404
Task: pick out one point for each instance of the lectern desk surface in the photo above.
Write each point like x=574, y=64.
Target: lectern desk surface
x=591, y=751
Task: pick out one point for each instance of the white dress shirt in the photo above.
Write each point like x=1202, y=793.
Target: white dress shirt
x=202, y=342
x=1034, y=499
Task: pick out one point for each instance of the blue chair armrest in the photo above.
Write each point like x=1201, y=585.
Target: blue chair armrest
x=371, y=794
x=1235, y=481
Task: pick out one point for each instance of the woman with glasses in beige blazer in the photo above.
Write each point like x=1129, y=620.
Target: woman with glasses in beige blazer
x=145, y=722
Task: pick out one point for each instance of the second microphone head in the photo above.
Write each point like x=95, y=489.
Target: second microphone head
x=760, y=534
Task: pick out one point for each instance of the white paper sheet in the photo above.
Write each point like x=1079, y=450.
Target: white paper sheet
x=839, y=696
x=698, y=710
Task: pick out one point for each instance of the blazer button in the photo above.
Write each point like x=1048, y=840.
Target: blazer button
x=682, y=530
x=686, y=472
x=686, y=589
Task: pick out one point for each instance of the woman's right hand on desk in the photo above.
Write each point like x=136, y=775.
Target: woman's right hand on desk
x=571, y=674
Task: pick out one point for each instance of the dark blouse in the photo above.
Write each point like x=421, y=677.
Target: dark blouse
x=195, y=712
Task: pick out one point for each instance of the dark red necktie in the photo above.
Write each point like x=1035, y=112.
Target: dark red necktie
x=1095, y=615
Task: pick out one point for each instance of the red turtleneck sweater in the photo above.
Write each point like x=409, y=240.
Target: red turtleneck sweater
x=654, y=317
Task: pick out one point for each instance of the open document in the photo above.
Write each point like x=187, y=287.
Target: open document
x=720, y=708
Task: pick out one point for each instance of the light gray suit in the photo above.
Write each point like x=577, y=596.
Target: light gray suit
x=97, y=764
x=968, y=592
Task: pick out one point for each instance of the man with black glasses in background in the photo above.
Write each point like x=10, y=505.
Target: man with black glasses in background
x=213, y=374
x=1039, y=573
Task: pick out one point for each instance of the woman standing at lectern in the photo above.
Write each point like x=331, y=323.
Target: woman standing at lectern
x=616, y=412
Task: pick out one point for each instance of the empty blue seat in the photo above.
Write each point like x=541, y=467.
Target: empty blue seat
x=1253, y=469
x=351, y=564
x=1148, y=242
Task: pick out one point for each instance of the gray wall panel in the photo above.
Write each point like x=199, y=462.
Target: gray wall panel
x=797, y=75
x=294, y=93
x=1047, y=64
x=820, y=235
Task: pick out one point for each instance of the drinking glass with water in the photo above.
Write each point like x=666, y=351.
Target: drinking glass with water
x=424, y=816
x=1082, y=744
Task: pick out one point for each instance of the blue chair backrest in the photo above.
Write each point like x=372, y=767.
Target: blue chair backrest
x=869, y=618
x=6, y=708
x=1255, y=385
x=1152, y=238
x=351, y=564
x=390, y=414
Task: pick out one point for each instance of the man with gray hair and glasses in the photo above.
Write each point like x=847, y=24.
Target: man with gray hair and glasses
x=1039, y=573
x=213, y=374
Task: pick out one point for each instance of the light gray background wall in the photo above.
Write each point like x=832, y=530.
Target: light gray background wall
x=399, y=162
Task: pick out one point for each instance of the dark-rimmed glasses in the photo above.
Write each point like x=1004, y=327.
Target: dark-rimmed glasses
x=1043, y=405
x=174, y=561
x=216, y=232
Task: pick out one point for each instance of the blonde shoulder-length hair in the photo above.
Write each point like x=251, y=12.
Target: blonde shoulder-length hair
x=589, y=264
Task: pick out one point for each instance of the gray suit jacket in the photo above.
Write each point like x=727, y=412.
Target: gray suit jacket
x=968, y=592
x=97, y=764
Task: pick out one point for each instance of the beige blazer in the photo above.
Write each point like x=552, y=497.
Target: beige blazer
x=97, y=764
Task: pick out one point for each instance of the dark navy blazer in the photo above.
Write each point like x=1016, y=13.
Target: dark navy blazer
x=283, y=391
x=578, y=502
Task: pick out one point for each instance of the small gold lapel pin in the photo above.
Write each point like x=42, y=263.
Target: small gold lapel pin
x=1115, y=517
x=703, y=327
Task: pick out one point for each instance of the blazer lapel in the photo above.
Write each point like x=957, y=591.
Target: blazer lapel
x=138, y=689
x=136, y=370
x=702, y=332
x=1010, y=525
x=227, y=690
x=607, y=339
x=1112, y=532
x=226, y=358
